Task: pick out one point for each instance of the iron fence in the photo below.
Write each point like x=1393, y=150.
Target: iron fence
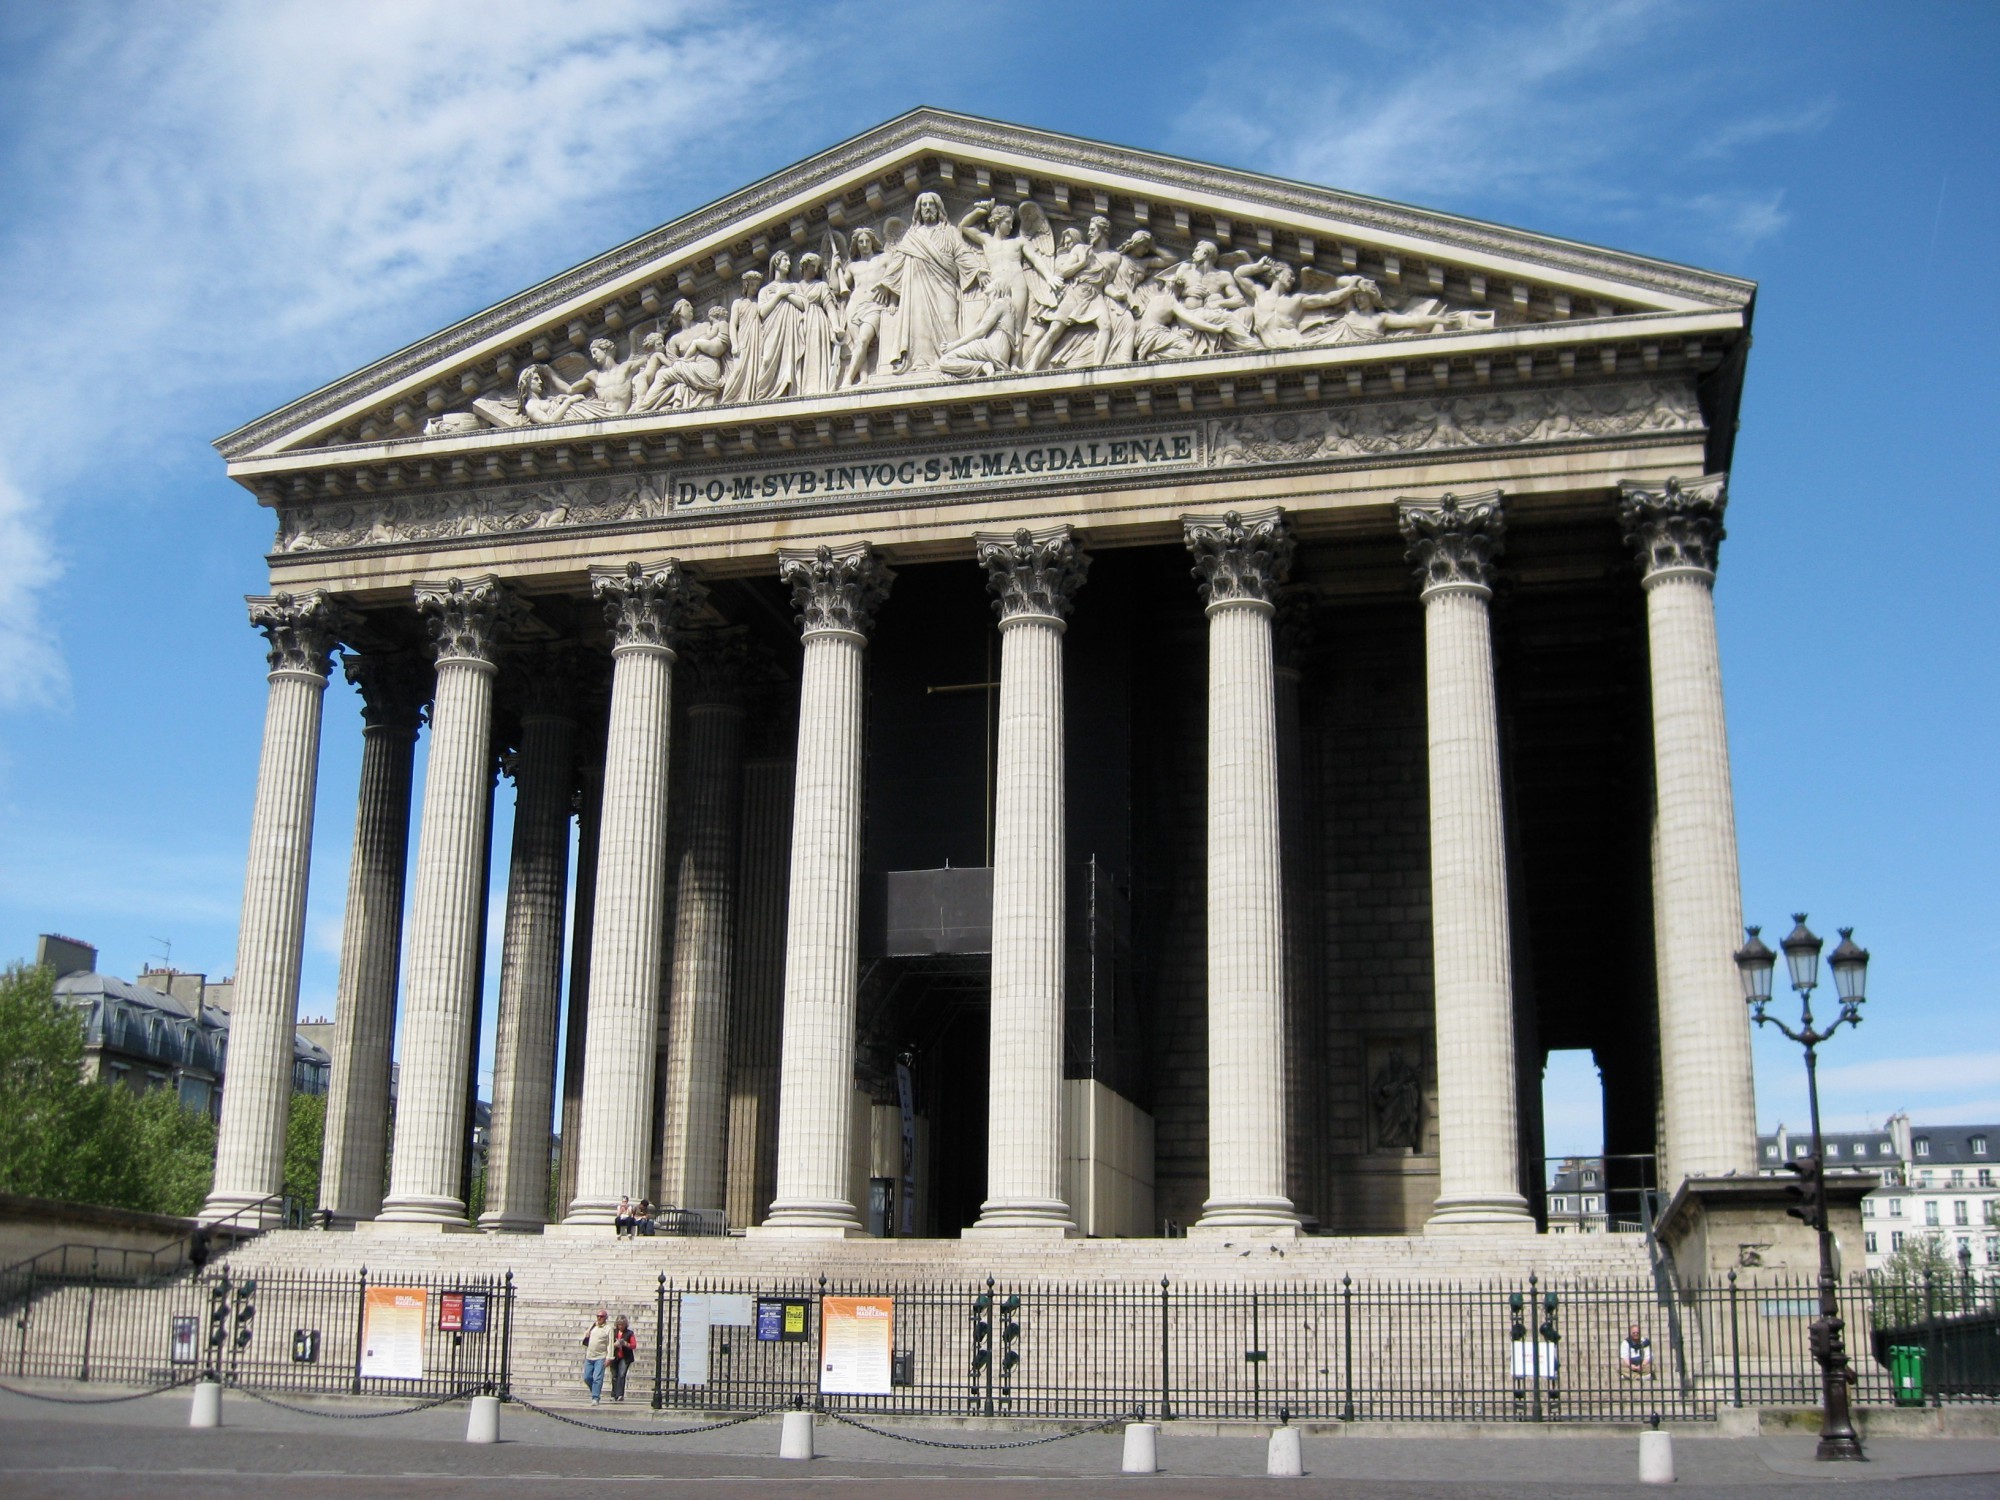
x=326, y=1332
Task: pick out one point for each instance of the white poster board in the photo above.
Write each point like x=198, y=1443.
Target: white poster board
x=857, y=1342
x=392, y=1332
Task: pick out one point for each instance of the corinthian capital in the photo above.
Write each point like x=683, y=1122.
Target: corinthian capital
x=645, y=603
x=836, y=590
x=1676, y=528
x=302, y=629
x=542, y=682
x=395, y=686
x=724, y=667
x=1453, y=541
x=1238, y=558
x=469, y=618
x=1032, y=572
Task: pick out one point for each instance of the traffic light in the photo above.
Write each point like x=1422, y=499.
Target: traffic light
x=218, y=1313
x=982, y=1333
x=1809, y=1191
x=246, y=1310
x=1010, y=1330
x=1820, y=1334
x=1519, y=1328
x=1548, y=1328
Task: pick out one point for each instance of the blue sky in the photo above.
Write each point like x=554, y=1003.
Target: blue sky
x=213, y=208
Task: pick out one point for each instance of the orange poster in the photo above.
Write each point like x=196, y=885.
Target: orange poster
x=857, y=1337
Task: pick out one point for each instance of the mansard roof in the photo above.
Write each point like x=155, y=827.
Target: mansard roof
x=1300, y=278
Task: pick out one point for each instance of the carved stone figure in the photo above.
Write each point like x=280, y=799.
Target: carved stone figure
x=819, y=315
x=746, y=342
x=1176, y=325
x=1085, y=265
x=604, y=391
x=1398, y=1096
x=684, y=370
x=1019, y=267
x=992, y=330
x=1278, y=314
x=930, y=268
x=866, y=298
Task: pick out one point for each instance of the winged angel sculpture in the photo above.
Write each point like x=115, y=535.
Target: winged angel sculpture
x=1000, y=290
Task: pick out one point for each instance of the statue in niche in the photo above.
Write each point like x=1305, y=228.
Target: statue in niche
x=866, y=299
x=1398, y=1096
x=1019, y=266
x=930, y=267
x=683, y=370
x=992, y=331
x=819, y=329
x=746, y=340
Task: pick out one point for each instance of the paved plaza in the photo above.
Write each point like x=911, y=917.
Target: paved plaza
x=144, y=1449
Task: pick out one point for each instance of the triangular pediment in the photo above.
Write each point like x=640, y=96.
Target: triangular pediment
x=938, y=260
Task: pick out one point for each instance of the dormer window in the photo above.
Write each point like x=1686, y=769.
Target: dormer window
x=1832, y=1149
x=1979, y=1145
x=1923, y=1145
x=1798, y=1148
x=1770, y=1153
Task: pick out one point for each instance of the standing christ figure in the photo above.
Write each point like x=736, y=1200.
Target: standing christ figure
x=931, y=263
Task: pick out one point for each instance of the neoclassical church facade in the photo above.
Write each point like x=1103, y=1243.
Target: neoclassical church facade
x=1085, y=694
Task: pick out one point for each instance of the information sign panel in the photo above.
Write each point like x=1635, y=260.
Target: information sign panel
x=392, y=1332
x=857, y=1341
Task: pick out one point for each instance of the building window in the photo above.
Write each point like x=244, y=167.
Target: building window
x=1979, y=1145
x=1799, y=1148
x=1958, y=1215
x=1832, y=1149
x=1590, y=1179
x=1556, y=1205
x=1895, y=1208
x=1964, y=1249
x=1986, y=1177
x=1958, y=1177
x=1993, y=1249
x=1930, y=1213
x=1770, y=1153
x=1924, y=1178
x=1860, y=1148
x=1867, y=1208
x=1923, y=1144
x=1869, y=1238
x=1895, y=1239
x=1592, y=1204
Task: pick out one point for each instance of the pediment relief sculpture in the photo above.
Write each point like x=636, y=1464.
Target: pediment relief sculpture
x=996, y=289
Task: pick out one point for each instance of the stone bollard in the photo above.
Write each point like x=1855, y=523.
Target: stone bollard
x=1656, y=1457
x=207, y=1408
x=482, y=1423
x=1142, y=1448
x=797, y=1441
x=1285, y=1460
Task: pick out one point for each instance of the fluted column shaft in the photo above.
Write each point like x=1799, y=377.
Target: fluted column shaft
x=524, y=1051
x=1705, y=1060
x=356, y=1140
x=1240, y=561
x=836, y=594
x=695, y=1127
x=256, y=1100
x=1034, y=576
x=628, y=929
x=1471, y=954
x=427, y=1169
x=576, y=1030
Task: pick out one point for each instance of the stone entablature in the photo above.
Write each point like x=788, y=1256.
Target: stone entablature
x=806, y=483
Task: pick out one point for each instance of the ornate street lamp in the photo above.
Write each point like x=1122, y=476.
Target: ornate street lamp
x=1754, y=962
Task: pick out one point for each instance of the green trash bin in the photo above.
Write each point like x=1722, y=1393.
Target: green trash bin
x=1906, y=1371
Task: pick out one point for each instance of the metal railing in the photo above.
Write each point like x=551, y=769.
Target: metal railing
x=335, y=1333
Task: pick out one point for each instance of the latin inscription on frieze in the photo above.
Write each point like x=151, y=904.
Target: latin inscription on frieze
x=943, y=469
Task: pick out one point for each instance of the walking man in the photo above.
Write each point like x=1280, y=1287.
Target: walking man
x=596, y=1349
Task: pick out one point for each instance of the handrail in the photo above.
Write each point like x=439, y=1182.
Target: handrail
x=181, y=1249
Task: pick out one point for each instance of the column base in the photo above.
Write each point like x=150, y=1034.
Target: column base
x=1259, y=1218
x=408, y=1227
x=804, y=1219
x=1024, y=1218
x=602, y=1212
x=497, y=1223
x=1502, y=1213
x=416, y=1209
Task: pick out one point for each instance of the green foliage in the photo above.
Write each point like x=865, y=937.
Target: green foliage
x=1901, y=1296
x=175, y=1146
x=305, y=1139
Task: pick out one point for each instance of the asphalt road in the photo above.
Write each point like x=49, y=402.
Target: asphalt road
x=143, y=1449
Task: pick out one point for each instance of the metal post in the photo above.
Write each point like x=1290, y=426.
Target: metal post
x=659, y=1336
x=89, y=1319
x=1347, y=1341
x=1166, y=1357
x=360, y=1327
x=992, y=1347
x=1735, y=1344
x=1837, y=1437
x=1930, y=1342
x=507, y=1342
x=1534, y=1350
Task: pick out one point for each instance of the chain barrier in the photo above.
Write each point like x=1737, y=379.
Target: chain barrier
x=356, y=1416
x=904, y=1437
x=98, y=1400
x=557, y=1416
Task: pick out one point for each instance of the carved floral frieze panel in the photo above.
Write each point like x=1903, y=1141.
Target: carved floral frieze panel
x=1347, y=433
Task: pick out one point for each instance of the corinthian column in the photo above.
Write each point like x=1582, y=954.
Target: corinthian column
x=1033, y=576
x=250, y=1152
x=1240, y=561
x=541, y=685
x=1711, y=1120
x=1453, y=542
x=468, y=619
x=836, y=594
x=643, y=604
x=695, y=1127
x=394, y=687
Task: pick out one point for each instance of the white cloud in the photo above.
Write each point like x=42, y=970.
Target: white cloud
x=1957, y=1073
x=35, y=674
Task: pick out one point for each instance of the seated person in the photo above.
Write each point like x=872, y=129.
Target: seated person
x=1635, y=1355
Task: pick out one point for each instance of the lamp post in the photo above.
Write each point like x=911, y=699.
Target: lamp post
x=1837, y=1438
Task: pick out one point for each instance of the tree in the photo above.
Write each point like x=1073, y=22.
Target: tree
x=305, y=1139
x=1901, y=1294
x=175, y=1147
x=59, y=1135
